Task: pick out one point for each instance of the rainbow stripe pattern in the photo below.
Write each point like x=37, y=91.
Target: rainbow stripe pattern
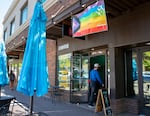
x=91, y=20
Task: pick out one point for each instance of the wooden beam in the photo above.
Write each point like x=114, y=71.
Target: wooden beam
x=52, y=36
x=110, y=10
x=119, y=3
x=128, y=3
x=114, y=5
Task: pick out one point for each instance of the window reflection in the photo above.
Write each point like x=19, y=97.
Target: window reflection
x=134, y=72
x=146, y=77
x=24, y=12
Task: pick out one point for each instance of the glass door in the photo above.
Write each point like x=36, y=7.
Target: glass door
x=79, y=79
x=146, y=79
x=143, y=66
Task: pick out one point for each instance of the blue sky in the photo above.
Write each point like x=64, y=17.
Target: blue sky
x=4, y=5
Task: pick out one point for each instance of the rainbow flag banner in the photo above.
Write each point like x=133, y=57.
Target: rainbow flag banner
x=91, y=20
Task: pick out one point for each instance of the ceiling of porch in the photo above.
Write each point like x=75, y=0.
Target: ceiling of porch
x=116, y=8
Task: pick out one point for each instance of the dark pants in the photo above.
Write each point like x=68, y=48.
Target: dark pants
x=93, y=92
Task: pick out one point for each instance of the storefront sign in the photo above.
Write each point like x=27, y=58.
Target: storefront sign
x=13, y=56
x=62, y=47
x=91, y=20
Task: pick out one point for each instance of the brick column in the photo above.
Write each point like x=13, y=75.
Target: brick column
x=51, y=59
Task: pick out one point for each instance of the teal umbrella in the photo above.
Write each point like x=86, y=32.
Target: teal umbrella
x=3, y=66
x=34, y=72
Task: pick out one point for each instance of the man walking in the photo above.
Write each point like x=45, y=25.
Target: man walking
x=95, y=82
x=12, y=79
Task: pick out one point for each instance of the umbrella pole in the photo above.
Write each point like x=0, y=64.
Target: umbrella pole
x=0, y=91
x=31, y=106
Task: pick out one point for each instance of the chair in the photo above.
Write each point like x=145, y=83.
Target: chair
x=57, y=91
x=5, y=102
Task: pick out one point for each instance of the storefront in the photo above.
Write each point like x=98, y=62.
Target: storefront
x=132, y=74
x=122, y=50
x=118, y=50
x=74, y=66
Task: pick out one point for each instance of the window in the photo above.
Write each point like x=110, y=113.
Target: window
x=64, y=70
x=23, y=16
x=5, y=34
x=12, y=27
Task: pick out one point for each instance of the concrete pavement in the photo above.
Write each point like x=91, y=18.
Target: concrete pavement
x=45, y=107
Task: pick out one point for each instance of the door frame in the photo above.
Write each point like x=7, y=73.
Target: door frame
x=107, y=74
x=72, y=92
x=89, y=55
x=140, y=51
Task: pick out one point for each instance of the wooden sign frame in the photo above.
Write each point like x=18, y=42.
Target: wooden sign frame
x=103, y=102
x=99, y=105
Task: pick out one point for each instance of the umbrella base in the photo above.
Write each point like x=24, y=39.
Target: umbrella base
x=5, y=102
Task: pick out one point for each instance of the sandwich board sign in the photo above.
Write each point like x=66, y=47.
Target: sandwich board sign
x=103, y=102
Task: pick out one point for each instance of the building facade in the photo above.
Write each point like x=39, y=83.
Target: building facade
x=123, y=50
x=16, y=22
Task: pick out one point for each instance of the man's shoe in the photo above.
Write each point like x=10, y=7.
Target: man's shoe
x=91, y=106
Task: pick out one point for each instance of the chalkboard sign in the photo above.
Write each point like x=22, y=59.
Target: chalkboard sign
x=104, y=101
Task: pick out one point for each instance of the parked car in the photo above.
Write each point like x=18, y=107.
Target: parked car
x=146, y=76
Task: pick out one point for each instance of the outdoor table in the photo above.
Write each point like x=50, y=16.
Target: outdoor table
x=5, y=103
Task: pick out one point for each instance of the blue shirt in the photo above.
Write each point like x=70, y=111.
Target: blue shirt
x=94, y=76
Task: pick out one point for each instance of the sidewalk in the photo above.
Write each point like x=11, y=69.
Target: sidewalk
x=46, y=107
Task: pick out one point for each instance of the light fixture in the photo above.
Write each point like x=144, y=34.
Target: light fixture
x=53, y=16
x=148, y=43
x=54, y=22
x=22, y=38
x=92, y=49
x=83, y=5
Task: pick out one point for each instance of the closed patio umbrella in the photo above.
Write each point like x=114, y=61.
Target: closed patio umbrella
x=3, y=66
x=34, y=72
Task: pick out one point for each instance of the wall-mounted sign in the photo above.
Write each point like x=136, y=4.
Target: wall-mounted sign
x=91, y=20
x=13, y=56
x=62, y=47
